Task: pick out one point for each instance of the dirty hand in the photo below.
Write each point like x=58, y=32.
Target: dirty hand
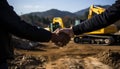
x=60, y=39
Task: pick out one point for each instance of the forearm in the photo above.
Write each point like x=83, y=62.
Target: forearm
x=108, y=17
x=27, y=31
x=32, y=33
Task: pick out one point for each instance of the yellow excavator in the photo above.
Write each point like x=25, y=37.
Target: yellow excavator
x=56, y=23
x=108, y=29
x=104, y=36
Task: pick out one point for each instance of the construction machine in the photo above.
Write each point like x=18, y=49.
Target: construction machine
x=104, y=36
x=56, y=23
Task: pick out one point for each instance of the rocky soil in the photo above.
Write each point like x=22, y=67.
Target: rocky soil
x=71, y=56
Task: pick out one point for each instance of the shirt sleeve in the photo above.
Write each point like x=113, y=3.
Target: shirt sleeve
x=13, y=24
x=110, y=16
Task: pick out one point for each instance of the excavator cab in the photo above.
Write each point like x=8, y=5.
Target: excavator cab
x=55, y=26
x=57, y=23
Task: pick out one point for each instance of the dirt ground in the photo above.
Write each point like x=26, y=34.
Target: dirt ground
x=71, y=56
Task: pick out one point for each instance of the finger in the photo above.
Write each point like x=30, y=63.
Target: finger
x=65, y=31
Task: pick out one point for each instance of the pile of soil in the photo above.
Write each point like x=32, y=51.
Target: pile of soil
x=72, y=56
x=111, y=58
x=108, y=58
x=23, y=61
x=67, y=63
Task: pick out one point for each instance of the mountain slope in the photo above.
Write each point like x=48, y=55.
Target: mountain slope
x=52, y=13
x=59, y=13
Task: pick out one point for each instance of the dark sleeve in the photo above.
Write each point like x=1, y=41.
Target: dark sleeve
x=14, y=25
x=110, y=16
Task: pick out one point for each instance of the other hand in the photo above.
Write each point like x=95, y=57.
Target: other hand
x=60, y=39
x=68, y=31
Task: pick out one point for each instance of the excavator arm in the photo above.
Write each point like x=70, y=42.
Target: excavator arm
x=93, y=9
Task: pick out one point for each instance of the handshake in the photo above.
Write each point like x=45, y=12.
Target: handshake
x=61, y=37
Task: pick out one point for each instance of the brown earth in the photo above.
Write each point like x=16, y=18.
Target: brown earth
x=71, y=56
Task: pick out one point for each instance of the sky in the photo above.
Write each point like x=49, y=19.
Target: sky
x=27, y=6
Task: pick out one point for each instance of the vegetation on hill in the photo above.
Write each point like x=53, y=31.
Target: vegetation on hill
x=43, y=19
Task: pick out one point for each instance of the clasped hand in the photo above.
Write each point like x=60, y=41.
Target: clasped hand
x=61, y=37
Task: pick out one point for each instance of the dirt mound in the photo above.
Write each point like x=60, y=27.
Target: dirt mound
x=77, y=63
x=110, y=58
x=66, y=63
x=22, y=61
x=72, y=56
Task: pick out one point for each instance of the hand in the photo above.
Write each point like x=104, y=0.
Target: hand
x=68, y=31
x=60, y=39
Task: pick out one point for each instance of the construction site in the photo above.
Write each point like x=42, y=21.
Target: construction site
x=99, y=49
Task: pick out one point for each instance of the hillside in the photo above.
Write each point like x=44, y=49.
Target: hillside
x=52, y=13
x=44, y=18
x=59, y=13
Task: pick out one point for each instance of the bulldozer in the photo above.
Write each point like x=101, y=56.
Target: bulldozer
x=104, y=36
